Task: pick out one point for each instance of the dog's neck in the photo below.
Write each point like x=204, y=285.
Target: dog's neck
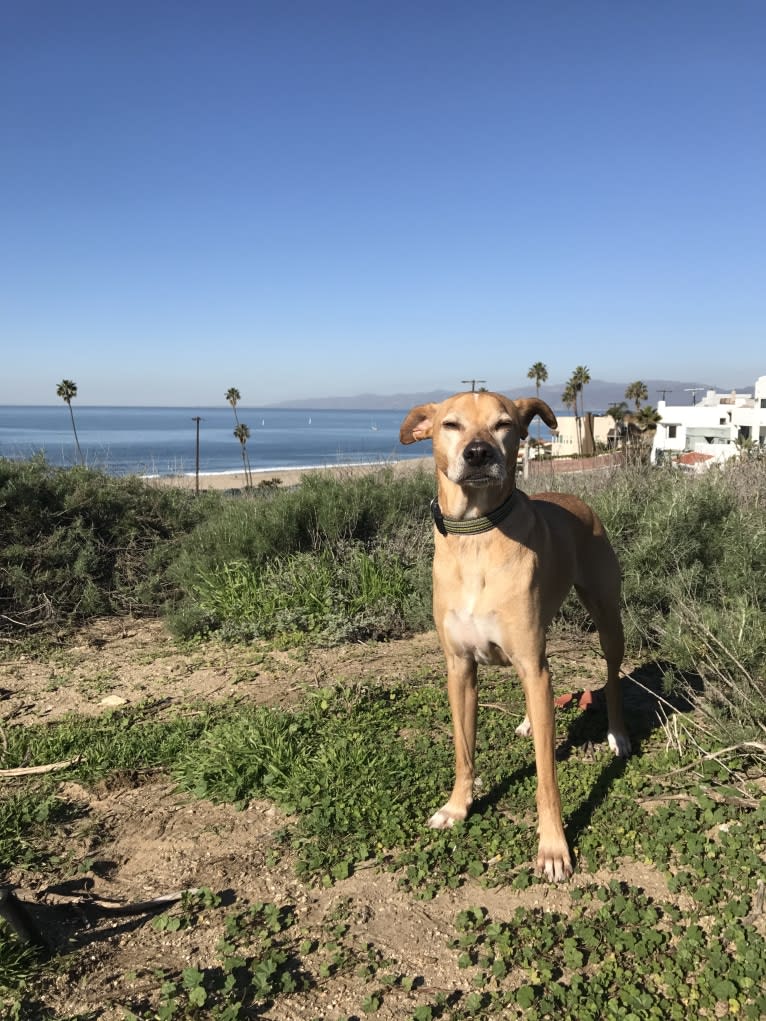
x=466, y=503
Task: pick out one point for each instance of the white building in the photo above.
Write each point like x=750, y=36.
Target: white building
x=564, y=442
x=713, y=425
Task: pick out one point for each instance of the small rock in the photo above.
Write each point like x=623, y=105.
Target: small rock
x=113, y=700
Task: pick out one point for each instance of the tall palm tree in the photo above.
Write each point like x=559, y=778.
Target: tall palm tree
x=66, y=390
x=580, y=378
x=636, y=392
x=574, y=387
x=233, y=396
x=538, y=372
x=569, y=400
x=242, y=432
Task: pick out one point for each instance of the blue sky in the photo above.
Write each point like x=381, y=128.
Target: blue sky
x=318, y=198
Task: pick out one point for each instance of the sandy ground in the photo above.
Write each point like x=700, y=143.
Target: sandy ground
x=286, y=477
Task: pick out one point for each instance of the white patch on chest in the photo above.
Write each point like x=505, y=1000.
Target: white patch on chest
x=476, y=635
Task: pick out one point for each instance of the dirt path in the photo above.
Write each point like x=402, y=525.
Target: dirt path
x=125, y=662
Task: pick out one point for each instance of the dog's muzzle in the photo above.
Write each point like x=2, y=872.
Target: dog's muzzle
x=480, y=465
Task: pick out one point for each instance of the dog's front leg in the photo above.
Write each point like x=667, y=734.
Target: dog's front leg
x=462, y=691
x=553, y=859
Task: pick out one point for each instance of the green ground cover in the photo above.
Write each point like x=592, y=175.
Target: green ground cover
x=355, y=770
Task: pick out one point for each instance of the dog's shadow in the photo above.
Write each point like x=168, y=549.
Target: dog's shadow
x=647, y=706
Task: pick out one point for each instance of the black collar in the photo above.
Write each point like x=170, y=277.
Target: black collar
x=471, y=526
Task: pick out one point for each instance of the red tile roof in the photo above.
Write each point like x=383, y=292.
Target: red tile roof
x=692, y=457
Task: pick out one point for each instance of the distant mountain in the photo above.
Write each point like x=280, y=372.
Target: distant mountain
x=599, y=395
x=366, y=402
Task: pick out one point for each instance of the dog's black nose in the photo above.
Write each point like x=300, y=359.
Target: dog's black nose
x=477, y=454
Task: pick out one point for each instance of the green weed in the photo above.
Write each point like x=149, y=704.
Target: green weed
x=78, y=543
x=336, y=559
x=256, y=963
x=347, y=593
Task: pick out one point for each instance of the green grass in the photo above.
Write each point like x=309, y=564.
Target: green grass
x=334, y=560
x=682, y=541
x=358, y=771
x=346, y=592
x=78, y=543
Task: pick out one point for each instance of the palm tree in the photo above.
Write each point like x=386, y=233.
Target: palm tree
x=645, y=423
x=66, y=390
x=539, y=373
x=232, y=396
x=648, y=417
x=573, y=390
x=242, y=432
x=580, y=377
x=569, y=400
x=637, y=392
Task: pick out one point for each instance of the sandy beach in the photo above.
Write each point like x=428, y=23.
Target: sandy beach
x=288, y=476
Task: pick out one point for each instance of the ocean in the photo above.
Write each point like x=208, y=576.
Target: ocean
x=162, y=441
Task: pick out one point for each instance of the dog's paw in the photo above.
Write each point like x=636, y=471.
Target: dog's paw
x=446, y=818
x=554, y=863
x=524, y=729
x=620, y=744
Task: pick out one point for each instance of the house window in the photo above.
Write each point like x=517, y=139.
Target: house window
x=672, y=432
x=763, y=402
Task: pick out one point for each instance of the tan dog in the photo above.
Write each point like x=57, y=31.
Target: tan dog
x=503, y=564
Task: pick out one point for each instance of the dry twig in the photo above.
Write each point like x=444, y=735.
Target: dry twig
x=51, y=767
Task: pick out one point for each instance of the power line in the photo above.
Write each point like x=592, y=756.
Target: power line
x=663, y=392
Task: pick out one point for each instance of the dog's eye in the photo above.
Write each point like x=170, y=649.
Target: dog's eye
x=450, y=424
x=504, y=423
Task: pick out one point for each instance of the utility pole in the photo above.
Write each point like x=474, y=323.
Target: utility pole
x=693, y=390
x=473, y=383
x=197, y=420
x=663, y=392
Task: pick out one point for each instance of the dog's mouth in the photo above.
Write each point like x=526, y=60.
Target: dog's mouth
x=478, y=478
x=479, y=481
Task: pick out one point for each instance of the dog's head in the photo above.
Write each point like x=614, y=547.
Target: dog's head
x=476, y=436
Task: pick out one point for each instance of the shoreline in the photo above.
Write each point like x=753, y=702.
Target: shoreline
x=286, y=477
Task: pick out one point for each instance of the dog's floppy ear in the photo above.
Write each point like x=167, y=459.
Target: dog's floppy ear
x=528, y=407
x=418, y=425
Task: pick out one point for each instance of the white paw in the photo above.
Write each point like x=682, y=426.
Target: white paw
x=524, y=729
x=441, y=821
x=555, y=865
x=620, y=744
x=446, y=818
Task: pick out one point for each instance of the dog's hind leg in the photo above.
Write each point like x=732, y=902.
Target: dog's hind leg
x=463, y=698
x=604, y=609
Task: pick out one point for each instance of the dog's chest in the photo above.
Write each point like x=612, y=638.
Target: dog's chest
x=475, y=634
